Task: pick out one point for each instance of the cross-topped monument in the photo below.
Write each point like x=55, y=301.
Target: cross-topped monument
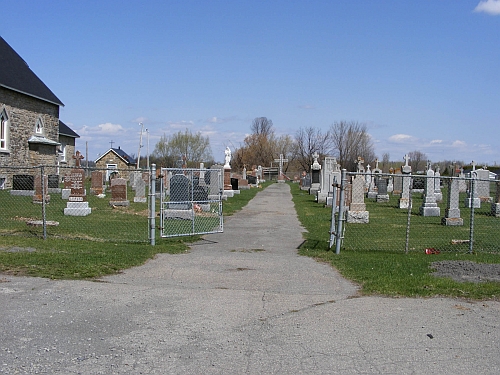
x=406, y=158
x=473, y=165
x=281, y=160
x=78, y=156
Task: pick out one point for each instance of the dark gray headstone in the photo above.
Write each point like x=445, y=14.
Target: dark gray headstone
x=315, y=176
x=200, y=193
x=180, y=188
x=23, y=182
x=306, y=181
x=234, y=183
x=382, y=185
x=53, y=181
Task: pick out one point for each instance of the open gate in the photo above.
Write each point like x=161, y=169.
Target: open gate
x=191, y=201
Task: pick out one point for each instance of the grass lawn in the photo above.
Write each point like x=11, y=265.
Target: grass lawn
x=373, y=255
x=79, y=255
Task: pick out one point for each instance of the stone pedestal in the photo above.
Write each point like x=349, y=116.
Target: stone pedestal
x=227, y=179
x=404, y=203
x=358, y=217
x=382, y=198
x=452, y=221
x=495, y=209
x=469, y=202
x=321, y=197
x=77, y=209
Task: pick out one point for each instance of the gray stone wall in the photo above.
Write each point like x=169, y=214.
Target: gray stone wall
x=23, y=112
x=70, y=150
x=110, y=158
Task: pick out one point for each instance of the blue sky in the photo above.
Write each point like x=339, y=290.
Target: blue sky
x=422, y=74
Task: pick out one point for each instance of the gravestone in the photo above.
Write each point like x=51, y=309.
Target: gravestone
x=357, y=209
x=404, y=201
x=382, y=195
x=368, y=177
x=472, y=199
x=180, y=188
x=462, y=183
x=398, y=182
x=260, y=175
x=140, y=191
x=181, y=194
x=53, y=183
x=281, y=160
x=23, y=184
x=429, y=206
x=252, y=180
x=134, y=177
x=119, y=192
x=75, y=180
x=452, y=211
x=372, y=188
x=483, y=185
x=330, y=172
x=390, y=184
x=315, y=175
x=215, y=181
x=437, y=185
x=96, y=183
x=40, y=190
x=495, y=206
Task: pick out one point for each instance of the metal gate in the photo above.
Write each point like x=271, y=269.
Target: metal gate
x=191, y=201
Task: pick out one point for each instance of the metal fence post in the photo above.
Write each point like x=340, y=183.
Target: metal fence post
x=334, y=209
x=340, y=220
x=408, y=219
x=152, y=210
x=44, y=193
x=471, y=200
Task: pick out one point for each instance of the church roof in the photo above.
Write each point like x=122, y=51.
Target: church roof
x=66, y=130
x=16, y=75
x=120, y=153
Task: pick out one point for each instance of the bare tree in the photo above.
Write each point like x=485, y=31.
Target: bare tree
x=195, y=147
x=262, y=126
x=418, y=160
x=308, y=141
x=350, y=140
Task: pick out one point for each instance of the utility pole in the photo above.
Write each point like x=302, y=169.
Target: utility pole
x=147, y=150
x=140, y=146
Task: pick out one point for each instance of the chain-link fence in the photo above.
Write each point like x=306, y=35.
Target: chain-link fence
x=75, y=203
x=405, y=212
x=192, y=202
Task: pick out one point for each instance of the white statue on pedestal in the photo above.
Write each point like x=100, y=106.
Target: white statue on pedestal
x=227, y=152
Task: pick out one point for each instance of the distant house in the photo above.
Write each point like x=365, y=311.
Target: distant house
x=30, y=130
x=115, y=160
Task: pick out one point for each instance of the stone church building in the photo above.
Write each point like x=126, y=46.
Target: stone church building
x=31, y=133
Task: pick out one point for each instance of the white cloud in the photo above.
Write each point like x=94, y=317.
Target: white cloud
x=436, y=141
x=400, y=138
x=488, y=6
x=107, y=129
x=458, y=143
x=180, y=124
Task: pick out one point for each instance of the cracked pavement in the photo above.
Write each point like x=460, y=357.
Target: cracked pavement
x=241, y=302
